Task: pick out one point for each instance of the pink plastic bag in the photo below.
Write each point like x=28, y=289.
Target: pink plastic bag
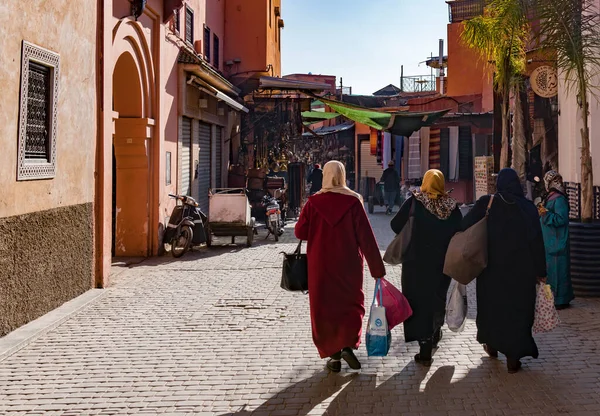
x=397, y=309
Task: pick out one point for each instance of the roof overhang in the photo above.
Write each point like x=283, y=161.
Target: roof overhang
x=205, y=87
x=283, y=84
x=195, y=65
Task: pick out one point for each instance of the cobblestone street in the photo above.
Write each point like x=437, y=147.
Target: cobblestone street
x=213, y=334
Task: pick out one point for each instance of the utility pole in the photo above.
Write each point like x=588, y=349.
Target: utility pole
x=442, y=72
x=341, y=89
x=401, y=78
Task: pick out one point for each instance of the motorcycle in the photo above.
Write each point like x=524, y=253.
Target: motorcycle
x=186, y=226
x=273, y=217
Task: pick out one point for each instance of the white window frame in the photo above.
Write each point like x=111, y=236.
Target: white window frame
x=32, y=169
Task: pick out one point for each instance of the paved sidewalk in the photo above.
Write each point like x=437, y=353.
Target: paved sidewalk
x=213, y=334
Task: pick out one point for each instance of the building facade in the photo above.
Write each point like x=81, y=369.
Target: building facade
x=48, y=113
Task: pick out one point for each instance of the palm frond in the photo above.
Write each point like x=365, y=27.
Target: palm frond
x=571, y=28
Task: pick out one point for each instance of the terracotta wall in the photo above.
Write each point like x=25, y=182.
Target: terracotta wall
x=468, y=73
x=75, y=41
x=46, y=225
x=252, y=35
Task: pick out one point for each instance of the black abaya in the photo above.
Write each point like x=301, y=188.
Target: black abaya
x=423, y=281
x=506, y=290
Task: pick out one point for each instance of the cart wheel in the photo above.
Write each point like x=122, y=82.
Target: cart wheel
x=250, y=236
x=371, y=205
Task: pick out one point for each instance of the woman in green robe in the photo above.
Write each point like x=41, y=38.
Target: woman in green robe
x=554, y=217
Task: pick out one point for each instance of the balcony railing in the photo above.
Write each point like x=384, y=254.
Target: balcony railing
x=418, y=83
x=461, y=10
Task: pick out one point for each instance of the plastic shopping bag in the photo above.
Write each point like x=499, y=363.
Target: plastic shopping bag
x=546, y=316
x=397, y=308
x=456, y=307
x=378, y=336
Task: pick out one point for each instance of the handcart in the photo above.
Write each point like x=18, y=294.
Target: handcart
x=229, y=215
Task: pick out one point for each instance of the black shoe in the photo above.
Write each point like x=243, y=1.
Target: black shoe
x=561, y=307
x=335, y=366
x=350, y=358
x=513, y=365
x=424, y=361
x=337, y=356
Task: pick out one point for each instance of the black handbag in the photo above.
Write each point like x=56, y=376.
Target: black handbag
x=294, y=276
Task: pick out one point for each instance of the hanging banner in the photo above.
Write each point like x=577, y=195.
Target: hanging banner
x=373, y=142
x=484, y=169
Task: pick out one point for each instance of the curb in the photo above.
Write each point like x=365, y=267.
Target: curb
x=25, y=335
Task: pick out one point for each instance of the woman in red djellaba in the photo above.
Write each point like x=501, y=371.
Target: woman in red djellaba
x=339, y=236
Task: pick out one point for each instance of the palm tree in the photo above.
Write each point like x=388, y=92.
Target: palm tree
x=501, y=36
x=570, y=28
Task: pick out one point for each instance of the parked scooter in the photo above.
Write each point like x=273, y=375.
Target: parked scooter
x=273, y=217
x=186, y=226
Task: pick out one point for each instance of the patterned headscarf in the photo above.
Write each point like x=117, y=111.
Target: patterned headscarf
x=433, y=195
x=554, y=182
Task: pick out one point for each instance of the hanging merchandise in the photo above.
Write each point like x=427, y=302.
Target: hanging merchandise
x=387, y=148
x=379, y=147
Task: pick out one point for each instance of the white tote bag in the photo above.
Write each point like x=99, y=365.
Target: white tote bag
x=378, y=337
x=546, y=316
x=456, y=307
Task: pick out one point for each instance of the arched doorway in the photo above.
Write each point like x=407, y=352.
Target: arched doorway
x=131, y=176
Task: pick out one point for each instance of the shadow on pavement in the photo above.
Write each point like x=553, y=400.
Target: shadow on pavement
x=487, y=389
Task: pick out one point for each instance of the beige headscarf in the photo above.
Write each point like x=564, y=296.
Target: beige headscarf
x=334, y=180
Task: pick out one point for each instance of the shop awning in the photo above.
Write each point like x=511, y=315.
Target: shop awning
x=316, y=116
x=398, y=123
x=290, y=84
x=324, y=131
x=204, y=86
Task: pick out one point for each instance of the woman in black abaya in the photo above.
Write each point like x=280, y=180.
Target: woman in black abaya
x=506, y=290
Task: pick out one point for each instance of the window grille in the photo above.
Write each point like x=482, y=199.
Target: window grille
x=37, y=130
x=40, y=74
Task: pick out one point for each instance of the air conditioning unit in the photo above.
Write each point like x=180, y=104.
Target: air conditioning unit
x=198, y=47
x=277, y=11
x=202, y=103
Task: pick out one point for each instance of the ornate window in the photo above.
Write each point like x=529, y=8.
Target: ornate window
x=38, y=113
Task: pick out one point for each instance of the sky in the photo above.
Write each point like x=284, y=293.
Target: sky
x=363, y=41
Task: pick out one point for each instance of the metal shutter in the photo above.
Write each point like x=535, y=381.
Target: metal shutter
x=204, y=165
x=219, y=156
x=465, y=153
x=186, y=156
x=368, y=162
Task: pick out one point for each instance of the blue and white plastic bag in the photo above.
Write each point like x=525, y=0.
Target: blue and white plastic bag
x=378, y=336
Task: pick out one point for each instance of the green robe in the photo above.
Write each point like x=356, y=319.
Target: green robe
x=555, y=228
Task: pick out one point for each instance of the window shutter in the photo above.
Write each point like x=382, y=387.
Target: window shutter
x=189, y=25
